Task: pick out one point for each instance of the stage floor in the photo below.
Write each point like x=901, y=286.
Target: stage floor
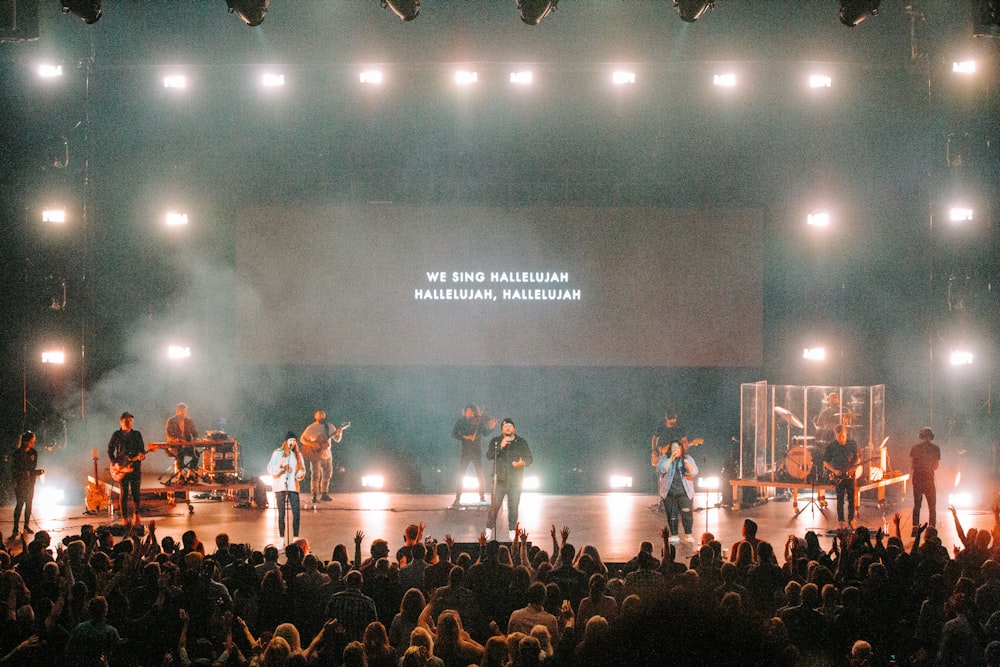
x=615, y=522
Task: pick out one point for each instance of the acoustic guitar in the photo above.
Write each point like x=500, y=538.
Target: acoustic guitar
x=97, y=494
x=311, y=450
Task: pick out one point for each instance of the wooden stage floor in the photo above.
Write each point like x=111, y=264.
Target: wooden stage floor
x=615, y=522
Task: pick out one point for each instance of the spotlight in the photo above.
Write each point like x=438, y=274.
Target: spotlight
x=251, y=11
x=533, y=11
x=691, y=10
x=404, y=9
x=88, y=10
x=853, y=12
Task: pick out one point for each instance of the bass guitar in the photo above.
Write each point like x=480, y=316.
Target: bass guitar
x=119, y=470
x=97, y=494
x=311, y=450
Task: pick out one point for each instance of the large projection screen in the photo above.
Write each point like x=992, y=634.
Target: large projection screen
x=388, y=285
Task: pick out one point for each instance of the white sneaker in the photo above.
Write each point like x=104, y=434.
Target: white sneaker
x=281, y=543
x=690, y=538
x=510, y=535
x=489, y=533
x=675, y=538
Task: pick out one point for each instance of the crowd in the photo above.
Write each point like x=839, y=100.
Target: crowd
x=92, y=599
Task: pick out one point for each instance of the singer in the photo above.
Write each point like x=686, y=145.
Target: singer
x=287, y=468
x=510, y=455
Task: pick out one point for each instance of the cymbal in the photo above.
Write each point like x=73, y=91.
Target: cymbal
x=787, y=415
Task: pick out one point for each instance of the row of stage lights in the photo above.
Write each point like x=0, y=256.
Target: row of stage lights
x=374, y=76
x=253, y=12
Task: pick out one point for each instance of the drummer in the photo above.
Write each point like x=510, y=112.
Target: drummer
x=832, y=414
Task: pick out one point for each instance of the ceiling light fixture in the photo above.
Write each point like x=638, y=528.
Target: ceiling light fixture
x=691, y=10
x=404, y=9
x=251, y=11
x=533, y=11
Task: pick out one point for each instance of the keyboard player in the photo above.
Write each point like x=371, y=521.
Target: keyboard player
x=181, y=429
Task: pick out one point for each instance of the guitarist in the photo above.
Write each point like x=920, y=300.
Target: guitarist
x=840, y=460
x=24, y=472
x=317, y=442
x=126, y=448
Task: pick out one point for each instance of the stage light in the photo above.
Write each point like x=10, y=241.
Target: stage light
x=960, y=500
x=960, y=214
x=372, y=76
x=175, y=81
x=818, y=219
x=708, y=483
x=622, y=78
x=49, y=71
x=853, y=12
x=470, y=483
x=964, y=67
x=178, y=352
x=620, y=482
x=54, y=215
x=88, y=10
x=521, y=78
x=372, y=481
x=691, y=10
x=961, y=358
x=404, y=9
x=533, y=11
x=814, y=353
x=724, y=80
x=57, y=357
x=465, y=77
x=531, y=483
x=176, y=219
x=820, y=81
x=272, y=80
x=251, y=11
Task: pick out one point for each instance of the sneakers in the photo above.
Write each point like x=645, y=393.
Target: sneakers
x=325, y=497
x=511, y=535
x=689, y=539
x=28, y=530
x=489, y=533
x=483, y=501
x=675, y=538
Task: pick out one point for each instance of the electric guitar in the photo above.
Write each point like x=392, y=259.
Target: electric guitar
x=311, y=450
x=119, y=470
x=97, y=494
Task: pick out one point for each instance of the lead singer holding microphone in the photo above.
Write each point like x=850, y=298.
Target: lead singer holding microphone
x=510, y=455
x=288, y=468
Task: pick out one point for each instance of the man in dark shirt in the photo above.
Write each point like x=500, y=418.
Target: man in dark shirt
x=127, y=449
x=23, y=473
x=352, y=608
x=841, y=462
x=925, y=457
x=468, y=431
x=510, y=455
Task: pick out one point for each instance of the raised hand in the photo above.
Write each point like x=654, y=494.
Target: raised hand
x=564, y=534
x=358, y=537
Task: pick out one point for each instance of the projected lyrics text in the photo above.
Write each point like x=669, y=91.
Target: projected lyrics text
x=497, y=286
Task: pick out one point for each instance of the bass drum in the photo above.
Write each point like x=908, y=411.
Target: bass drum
x=799, y=463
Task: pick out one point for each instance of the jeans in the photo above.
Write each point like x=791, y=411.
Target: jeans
x=679, y=506
x=293, y=503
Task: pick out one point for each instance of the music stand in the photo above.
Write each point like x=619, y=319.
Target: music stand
x=812, y=502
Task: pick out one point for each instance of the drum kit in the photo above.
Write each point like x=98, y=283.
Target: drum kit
x=800, y=461
x=804, y=455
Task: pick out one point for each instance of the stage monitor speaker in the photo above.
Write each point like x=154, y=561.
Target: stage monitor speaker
x=18, y=20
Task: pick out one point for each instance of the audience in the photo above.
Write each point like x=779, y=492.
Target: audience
x=868, y=600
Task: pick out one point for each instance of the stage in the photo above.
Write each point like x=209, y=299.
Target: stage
x=614, y=522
